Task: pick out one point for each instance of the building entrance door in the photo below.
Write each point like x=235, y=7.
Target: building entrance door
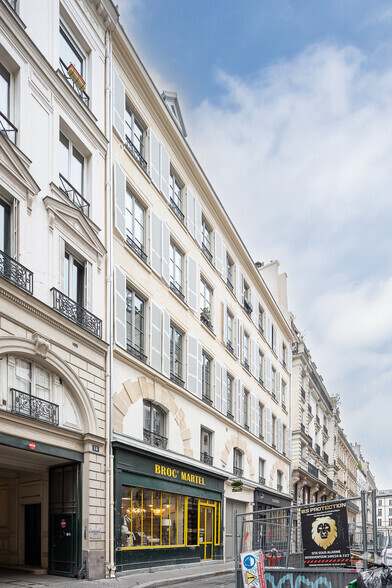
x=33, y=534
x=206, y=530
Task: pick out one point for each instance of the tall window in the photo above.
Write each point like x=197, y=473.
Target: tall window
x=5, y=225
x=71, y=165
x=206, y=239
x=176, y=270
x=70, y=53
x=279, y=481
x=230, y=409
x=261, y=471
x=206, y=446
x=4, y=91
x=245, y=350
x=205, y=303
x=273, y=338
x=246, y=409
x=176, y=355
x=135, y=134
x=283, y=386
x=274, y=432
x=135, y=218
x=261, y=421
x=261, y=320
x=135, y=325
x=260, y=367
x=154, y=425
x=176, y=196
x=206, y=378
x=237, y=462
x=230, y=273
x=284, y=439
x=230, y=332
x=273, y=382
x=74, y=278
x=284, y=354
x=32, y=379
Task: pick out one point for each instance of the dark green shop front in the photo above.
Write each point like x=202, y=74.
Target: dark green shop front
x=166, y=512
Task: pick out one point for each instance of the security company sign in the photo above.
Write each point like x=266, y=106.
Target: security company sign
x=325, y=535
x=253, y=569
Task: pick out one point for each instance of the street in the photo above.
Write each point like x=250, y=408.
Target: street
x=226, y=581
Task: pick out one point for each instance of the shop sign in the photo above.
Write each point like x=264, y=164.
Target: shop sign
x=236, y=486
x=177, y=474
x=325, y=535
x=253, y=569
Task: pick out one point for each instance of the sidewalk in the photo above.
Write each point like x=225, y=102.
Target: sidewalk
x=146, y=578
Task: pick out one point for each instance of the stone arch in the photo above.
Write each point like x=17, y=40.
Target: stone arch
x=134, y=390
x=237, y=440
x=277, y=465
x=38, y=350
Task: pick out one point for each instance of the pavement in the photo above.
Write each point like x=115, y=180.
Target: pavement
x=145, y=578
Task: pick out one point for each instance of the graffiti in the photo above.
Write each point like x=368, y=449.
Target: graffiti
x=289, y=581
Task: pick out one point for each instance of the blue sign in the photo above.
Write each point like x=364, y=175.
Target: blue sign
x=249, y=561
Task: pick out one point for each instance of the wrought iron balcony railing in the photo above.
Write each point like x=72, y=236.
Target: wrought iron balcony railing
x=177, y=291
x=247, y=306
x=136, y=248
x=34, y=407
x=65, y=70
x=229, y=347
x=238, y=471
x=7, y=128
x=230, y=415
x=230, y=285
x=136, y=352
x=16, y=273
x=207, y=399
x=206, y=252
x=177, y=210
x=177, y=380
x=135, y=153
x=205, y=458
x=76, y=313
x=313, y=470
x=262, y=480
x=74, y=196
x=154, y=439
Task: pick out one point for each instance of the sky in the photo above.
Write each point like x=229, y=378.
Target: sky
x=288, y=108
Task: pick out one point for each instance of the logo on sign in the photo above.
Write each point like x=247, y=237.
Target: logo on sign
x=249, y=561
x=63, y=523
x=32, y=445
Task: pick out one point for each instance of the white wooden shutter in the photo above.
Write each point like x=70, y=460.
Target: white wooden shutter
x=224, y=322
x=197, y=221
x=166, y=344
x=289, y=358
x=120, y=308
x=268, y=329
x=165, y=252
x=61, y=264
x=192, y=365
x=273, y=328
x=253, y=414
x=254, y=352
x=237, y=337
x=242, y=335
x=219, y=252
x=224, y=256
x=240, y=285
x=257, y=428
x=119, y=199
x=267, y=380
x=165, y=172
x=280, y=435
x=156, y=243
x=192, y=283
x=280, y=348
x=255, y=308
x=289, y=441
x=190, y=211
x=218, y=386
x=278, y=386
x=155, y=336
x=224, y=390
x=199, y=369
x=238, y=390
x=118, y=105
x=268, y=426
x=154, y=160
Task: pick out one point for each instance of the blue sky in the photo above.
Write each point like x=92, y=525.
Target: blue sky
x=288, y=104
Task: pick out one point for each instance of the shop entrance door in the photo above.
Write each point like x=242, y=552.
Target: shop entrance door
x=206, y=530
x=33, y=534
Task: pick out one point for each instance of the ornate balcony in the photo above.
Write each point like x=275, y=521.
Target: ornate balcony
x=135, y=153
x=34, y=407
x=177, y=291
x=7, y=128
x=205, y=458
x=76, y=313
x=136, y=248
x=76, y=81
x=238, y=471
x=136, y=353
x=177, y=210
x=154, y=439
x=313, y=470
x=177, y=380
x=74, y=195
x=206, y=252
x=16, y=273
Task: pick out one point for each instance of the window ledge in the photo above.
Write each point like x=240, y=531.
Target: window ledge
x=208, y=330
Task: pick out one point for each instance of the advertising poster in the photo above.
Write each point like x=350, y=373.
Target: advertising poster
x=325, y=535
x=253, y=569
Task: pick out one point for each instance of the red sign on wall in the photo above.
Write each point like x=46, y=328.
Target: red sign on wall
x=63, y=523
x=32, y=445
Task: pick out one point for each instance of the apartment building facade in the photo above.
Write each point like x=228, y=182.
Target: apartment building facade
x=384, y=518
x=347, y=480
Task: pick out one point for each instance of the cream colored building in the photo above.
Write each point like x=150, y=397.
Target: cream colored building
x=347, y=478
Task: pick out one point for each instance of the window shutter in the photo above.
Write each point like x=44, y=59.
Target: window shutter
x=268, y=329
x=255, y=307
x=119, y=199
x=154, y=160
x=242, y=404
x=240, y=286
x=219, y=252
x=257, y=427
x=192, y=283
x=165, y=172
x=190, y=210
x=197, y=221
x=224, y=256
x=120, y=307
x=289, y=440
x=155, y=336
x=218, y=386
x=165, y=252
x=156, y=243
x=280, y=436
x=273, y=328
x=268, y=426
x=280, y=348
x=278, y=386
x=166, y=344
x=242, y=335
x=199, y=369
x=61, y=263
x=289, y=358
x=237, y=337
x=268, y=374
x=193, y=360
x=253, y=357
x=88, y=285
x=238, y=389
x=224, y=322
x=253, y=414
x=118, y=105
x=224, y=390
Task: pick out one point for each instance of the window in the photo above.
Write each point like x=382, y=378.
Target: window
x=32, y=379
x=154, y=425
x=246, y=409
x=135, y=219
x=206, y=239
x=237, y=462
x=176, y=197
x=5, y=226
x=176, y=354
x=135, y=325
x=135, y=137
x=205, y=304
x=206, y=379
x=390, y=502
x=379, y=522
x=230, y=273
x=71, y=171
x=261, y=421
x=261, y=320
x=260, y=367
x=283, y=387
x=261, y=471
x=74, y=278
x=73, y=63
x=390, y=511
x=273, y=382
x=284, y=438
x=230, y=412
x=390, y=523
x=245, y=351
x=205, y=446
x=379, y=512
x=230, y=332
x=274, y=432
x=247, y=304
x=176, y=271
x=380, y=503
x=6, y=126
x=279, y=480
x=273, y=338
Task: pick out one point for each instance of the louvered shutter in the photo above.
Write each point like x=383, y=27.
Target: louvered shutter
x=268, y=374
x=255, y=308
x=190, y=210
x=218, y=252
x=88, y=285
x=155, y=336
x=199, y=369
x=280, y=435
x=268, y=329
x=268, y=426
x=280, y=348
x=197, y=221
x=253, y=414
x=237, y=337
x=278, y=386
x=224, y=322
x=239, y=286
x=156, y=243
x=61, y=265
x=165, y=252
x=253, y=357
x=218, y=386
x=289, y=441
x=165, y=172
x=192, y=283
x=119, y=199
x=224, y=256
x=154, y=160
x=289, y=359
x=118, y=105
x=192, y=366
x=238, y=389
x=166, y=344
x=273, y=329
x=120, y=308
x=224, y=390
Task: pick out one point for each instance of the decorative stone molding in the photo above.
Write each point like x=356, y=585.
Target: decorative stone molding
x=237, y=440
x=41, y=344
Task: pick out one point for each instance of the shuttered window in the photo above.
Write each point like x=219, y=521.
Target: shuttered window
x=5, y=233
x=134, y=130
x=176, y=355
x=135, y=325
x=135, y=219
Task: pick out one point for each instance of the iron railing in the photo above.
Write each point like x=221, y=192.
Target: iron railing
x=207, y=399
x=238, y=471
x=81, y=93
x=229, y=347
x=76, y=313
x=177, y=291
x=136, y=352
x=135, y=153
x=154, y=439
x=74, y=196
x=313, y=470
x=261, y=480
x=206, y=252
x=7, y=128
x=247, y=306
x=205, y=458
x=230, y=285
x=34, y=407
x=205, y=319
x=177, y=210
x=16, y=273
x=177, y=380
x=138, y=249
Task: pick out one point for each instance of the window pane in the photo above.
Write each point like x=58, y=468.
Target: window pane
x=4, y=91
x=147, y=510
x=139, y=224
x=126, y=512
x=64, y=156
x=5, y=215
x=23, y=375
x=181, y=513
x=77, y=164
x=192, y=521
x=78, y=282
x=138, y=137
x=66, y=274
x=137, y=516
x=147, y=416
x=42, y=387
x=173, y=519
x=156, y=525
x=165, y=519
x=139, y=323
x=69, y=54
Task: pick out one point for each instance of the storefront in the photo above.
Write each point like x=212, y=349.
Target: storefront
x=166, y=512
x=271, y=525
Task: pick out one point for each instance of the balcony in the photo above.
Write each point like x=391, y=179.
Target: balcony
x=7, y=128
x=205, y=458
x=205, y=317
x=177, y=291
x=135, y=153
x=313, y=471
x=238, y=471
x=246, y=365
x=14, y=272
x=154, y=439
x=138, y=249
x=229, y=347
x=207, y=399
x=325, y=456
x=206, y=252
x=136, y=353
x=76, y=81
x=34, y=407
x=73, y=195
x=177, y=380
x=76, y=313
x=177, y=210
x=230, y=285
x=247, y=306
x=329, y=483
x=262, y=481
